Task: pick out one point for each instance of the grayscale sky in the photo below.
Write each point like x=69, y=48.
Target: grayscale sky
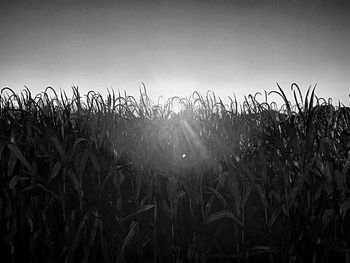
x=176, y=47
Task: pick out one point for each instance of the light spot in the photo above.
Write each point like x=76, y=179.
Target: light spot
x=177, y=107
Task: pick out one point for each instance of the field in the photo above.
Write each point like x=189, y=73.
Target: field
x=120, y=179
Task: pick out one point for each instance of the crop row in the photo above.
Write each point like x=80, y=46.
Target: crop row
x=115, y=179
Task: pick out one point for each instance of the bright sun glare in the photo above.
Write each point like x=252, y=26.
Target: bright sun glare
x=176, y=107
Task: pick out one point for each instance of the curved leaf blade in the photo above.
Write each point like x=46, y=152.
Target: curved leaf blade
x=224, y=214
x=16, y=152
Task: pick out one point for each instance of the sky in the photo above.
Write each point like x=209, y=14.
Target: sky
x=176, y=47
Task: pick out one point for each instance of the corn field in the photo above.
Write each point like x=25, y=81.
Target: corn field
x=89, y=178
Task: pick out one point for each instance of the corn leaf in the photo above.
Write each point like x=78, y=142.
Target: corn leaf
x=223, y=214
x=16, y=152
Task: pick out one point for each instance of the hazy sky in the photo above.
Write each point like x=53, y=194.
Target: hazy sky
x=176, y=47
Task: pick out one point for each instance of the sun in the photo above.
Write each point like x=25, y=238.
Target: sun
x=176, y=107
